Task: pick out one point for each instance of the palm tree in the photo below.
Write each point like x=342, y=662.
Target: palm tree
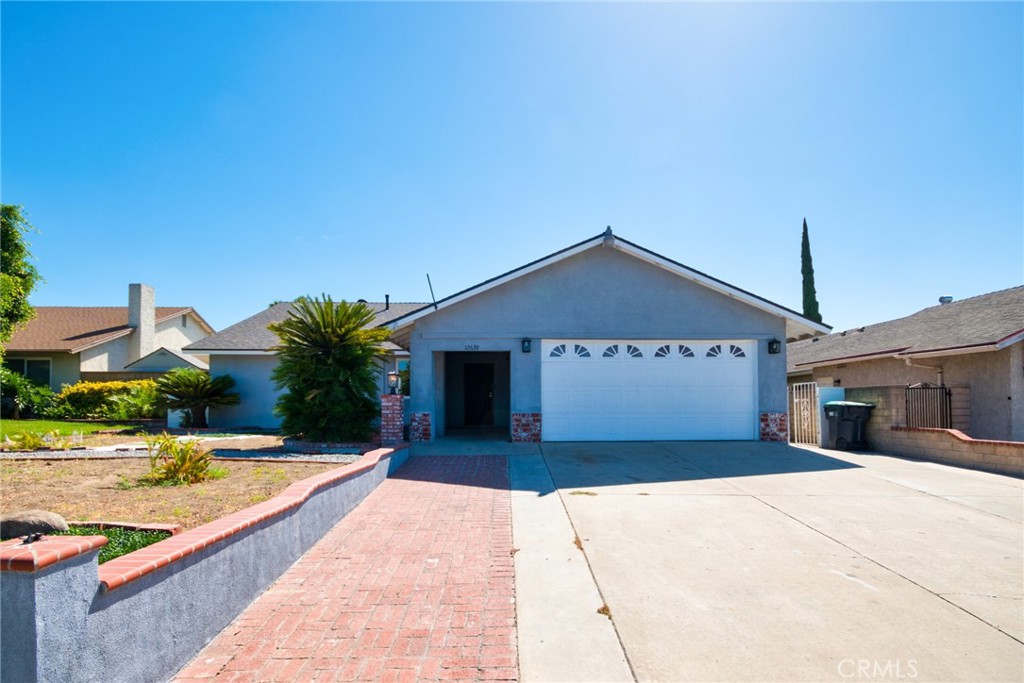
x=326, y=367
x=194, y=390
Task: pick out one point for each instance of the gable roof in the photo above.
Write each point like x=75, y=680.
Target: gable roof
x=797, y=326
x=988, y=322
x=252, y=336
x=183, y=357
x=72, y=329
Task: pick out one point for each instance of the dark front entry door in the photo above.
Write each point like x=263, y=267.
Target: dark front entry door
x=478, y=385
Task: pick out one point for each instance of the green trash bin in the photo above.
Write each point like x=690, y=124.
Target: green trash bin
x=846, y=424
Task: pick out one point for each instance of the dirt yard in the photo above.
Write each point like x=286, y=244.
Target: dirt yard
x=107, y=490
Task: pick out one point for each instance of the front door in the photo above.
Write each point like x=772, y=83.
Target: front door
x=478, y=388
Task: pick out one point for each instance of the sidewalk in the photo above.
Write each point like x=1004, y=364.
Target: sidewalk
x=416, y=584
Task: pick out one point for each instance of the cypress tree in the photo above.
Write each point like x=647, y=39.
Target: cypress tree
x=807, y=271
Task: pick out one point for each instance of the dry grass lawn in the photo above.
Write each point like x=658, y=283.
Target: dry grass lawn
x=106, y=490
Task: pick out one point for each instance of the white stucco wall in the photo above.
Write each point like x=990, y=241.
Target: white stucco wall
x=171, y=335
x=109, y=357
x=115, y=354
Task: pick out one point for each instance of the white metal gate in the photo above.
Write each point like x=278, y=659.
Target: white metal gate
x=803, y=413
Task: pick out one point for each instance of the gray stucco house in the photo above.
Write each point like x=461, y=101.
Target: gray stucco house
x=603, y=340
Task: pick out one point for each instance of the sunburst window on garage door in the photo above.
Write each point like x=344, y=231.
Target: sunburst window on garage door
x=685, y=351
x=734, y=351
x=633, y=351
x=558, y=351
x=581, y=351
x=611, y=352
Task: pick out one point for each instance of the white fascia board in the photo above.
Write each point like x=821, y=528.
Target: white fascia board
x=497, y=282
x=960, y=351
x=719, y=287
x=90, y=345
x=1011, y=340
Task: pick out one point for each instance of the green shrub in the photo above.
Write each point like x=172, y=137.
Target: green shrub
x=326, y=360
x=119, y=541
x=173, y=462
x=139, y=403
x=96, y=399
x=21, y=397
x=193, y=391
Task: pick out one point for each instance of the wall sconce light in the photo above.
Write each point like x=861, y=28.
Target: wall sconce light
x=774, y=346
x=393, y=381
x=527, y=345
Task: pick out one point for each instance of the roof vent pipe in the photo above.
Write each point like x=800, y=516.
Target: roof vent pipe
x=387, y=301
x=943, y=300
x=609, y=238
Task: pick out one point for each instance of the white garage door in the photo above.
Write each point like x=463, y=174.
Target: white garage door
x=617, y=390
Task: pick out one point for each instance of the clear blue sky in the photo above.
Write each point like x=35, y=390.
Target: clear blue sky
x=234, y=154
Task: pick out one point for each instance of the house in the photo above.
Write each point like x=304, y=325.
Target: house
x=245, y=351
x=67, y=344
x=973, y=346
x=603, y=340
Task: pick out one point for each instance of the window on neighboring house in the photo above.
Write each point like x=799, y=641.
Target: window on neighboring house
x=35, y=369
x=184, y=321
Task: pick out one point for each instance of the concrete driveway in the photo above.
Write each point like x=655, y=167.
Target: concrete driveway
x=755, y=561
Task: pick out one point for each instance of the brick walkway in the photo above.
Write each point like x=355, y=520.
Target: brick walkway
x=416, y=584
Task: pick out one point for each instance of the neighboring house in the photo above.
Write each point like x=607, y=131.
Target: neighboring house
x=603, y=340
x=66, y=344
x=974, y=346
x=244, y=351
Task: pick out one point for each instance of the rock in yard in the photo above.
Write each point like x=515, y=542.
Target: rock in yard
x=16, y=524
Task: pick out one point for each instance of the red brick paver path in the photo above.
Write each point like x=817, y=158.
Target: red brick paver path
x=415, y=584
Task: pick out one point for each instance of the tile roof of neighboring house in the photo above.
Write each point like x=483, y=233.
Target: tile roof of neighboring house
x=73, y=329
x=252, y=334
x=982, y=323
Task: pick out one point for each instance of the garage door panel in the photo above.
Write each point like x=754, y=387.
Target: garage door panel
x=671, y=397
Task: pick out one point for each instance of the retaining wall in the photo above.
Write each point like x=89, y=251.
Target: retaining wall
x=143, y=616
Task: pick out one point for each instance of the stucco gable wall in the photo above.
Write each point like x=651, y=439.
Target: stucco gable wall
x=597, y=291
x=171, y=335
x=109, y=357
x=600, y=294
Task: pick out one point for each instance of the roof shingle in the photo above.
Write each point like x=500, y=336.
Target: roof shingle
x=978, y=321
x=252, y=334
x=74, y=328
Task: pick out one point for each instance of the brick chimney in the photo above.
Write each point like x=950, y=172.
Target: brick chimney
x=141, y=316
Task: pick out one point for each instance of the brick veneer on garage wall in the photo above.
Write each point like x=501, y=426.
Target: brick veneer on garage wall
x=774, y=427
x=419, y=427
x=526, y=427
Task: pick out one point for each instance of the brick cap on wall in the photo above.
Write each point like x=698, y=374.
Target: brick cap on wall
x=16, y=556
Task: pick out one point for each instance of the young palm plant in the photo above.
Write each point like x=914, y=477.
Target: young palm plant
x=194, y=390
x=326, y=367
